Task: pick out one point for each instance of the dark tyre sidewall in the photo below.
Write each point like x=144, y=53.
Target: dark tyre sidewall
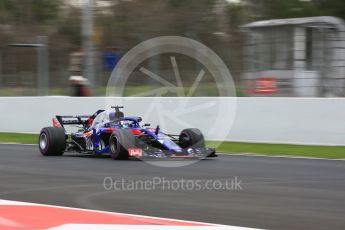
x=195, y=136
x=120, y=141
x=55, y=141
x=48, y=138
x=114, y=147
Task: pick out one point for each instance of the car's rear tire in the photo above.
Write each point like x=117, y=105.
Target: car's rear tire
x=191, y=138
x=52, y=141
x=119, y=143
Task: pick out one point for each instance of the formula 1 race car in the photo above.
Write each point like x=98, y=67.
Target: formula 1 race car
x=110, y=132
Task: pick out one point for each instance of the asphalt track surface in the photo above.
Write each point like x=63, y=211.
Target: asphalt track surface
x=276, y=193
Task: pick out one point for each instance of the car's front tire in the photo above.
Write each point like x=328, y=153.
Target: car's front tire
x=52, y=141
x=119, y=143
x=191, y=138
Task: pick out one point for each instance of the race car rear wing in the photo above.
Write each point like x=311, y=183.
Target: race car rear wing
x=84, y=120
x=61, y=121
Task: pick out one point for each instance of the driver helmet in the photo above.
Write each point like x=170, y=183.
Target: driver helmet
x=124, y=124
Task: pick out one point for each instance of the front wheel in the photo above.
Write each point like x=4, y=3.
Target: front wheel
x=52, y=141
x=119, y=142
x=191, y=138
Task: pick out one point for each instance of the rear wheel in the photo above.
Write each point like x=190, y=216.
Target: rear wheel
x=52, y=141
x=191, y=138
x=119, y=142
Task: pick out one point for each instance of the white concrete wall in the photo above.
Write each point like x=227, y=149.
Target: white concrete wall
x=271, y=120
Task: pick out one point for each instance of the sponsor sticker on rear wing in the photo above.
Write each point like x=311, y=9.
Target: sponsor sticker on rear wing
x=85, y=120
x=61, y=121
